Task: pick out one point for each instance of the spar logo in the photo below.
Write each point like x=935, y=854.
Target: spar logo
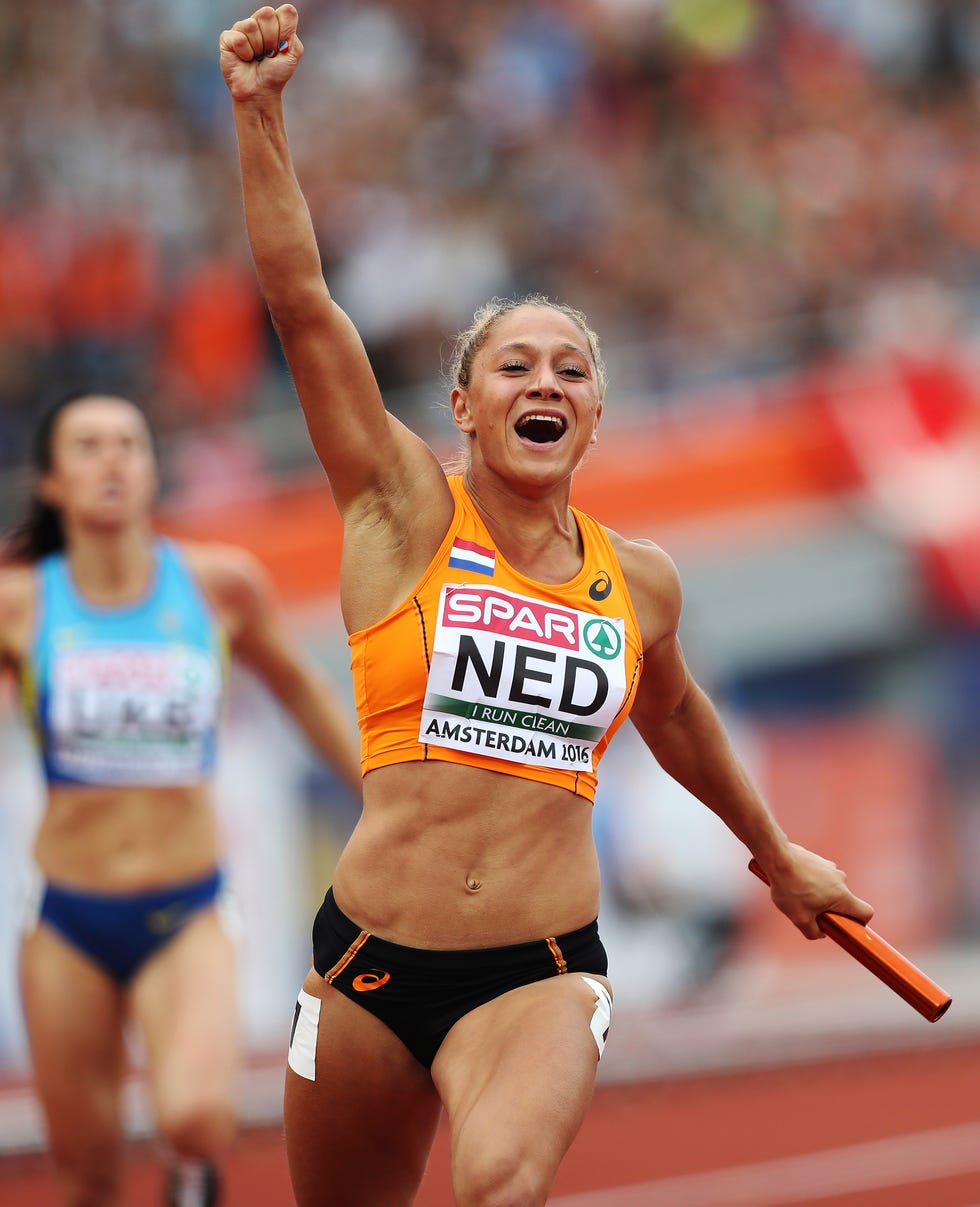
x=505, y=615
x=602, y=638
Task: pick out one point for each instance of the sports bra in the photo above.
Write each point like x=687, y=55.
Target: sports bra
x=125, y=695
x=483, y=666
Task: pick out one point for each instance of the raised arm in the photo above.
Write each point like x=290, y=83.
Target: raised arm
x=681, y=727
x=366, y=453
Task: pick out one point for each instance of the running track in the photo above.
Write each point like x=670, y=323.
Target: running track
x=900, y=1129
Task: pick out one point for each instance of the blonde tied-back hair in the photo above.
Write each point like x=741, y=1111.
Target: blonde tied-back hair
x=471, y=340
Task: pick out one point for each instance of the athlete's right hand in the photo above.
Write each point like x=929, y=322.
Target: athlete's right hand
x=259, y=55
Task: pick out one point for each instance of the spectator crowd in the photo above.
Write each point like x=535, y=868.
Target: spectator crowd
x=723, y=184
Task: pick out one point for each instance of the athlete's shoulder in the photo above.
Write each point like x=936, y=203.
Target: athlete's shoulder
x=233, y=579
x=223, y=566
x=18, y=606
x=653, y=581
x=644, y=558
x=18, y=585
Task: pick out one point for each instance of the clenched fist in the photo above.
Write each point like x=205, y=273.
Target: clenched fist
x=258, y=55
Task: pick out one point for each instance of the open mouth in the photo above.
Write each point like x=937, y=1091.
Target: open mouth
x=541, y=429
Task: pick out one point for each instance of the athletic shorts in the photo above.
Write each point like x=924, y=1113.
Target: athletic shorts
x=121, y=931
x=419, y=994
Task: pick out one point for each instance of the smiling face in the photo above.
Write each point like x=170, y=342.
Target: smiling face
x=532, y=403
x=102, y=471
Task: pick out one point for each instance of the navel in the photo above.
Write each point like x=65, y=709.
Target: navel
x=473, y=885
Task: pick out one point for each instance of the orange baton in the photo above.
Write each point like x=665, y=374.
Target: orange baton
x=879, y=957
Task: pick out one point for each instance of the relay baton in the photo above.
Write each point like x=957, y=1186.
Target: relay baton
x=879, y=957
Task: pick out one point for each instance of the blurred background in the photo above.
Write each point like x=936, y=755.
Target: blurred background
x=770, y=211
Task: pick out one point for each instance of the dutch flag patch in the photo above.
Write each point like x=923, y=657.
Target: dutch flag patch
x=468, y=555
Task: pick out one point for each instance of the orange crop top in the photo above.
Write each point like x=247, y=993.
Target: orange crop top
x=482, y=666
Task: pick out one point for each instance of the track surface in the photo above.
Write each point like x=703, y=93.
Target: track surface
x=890, y=1130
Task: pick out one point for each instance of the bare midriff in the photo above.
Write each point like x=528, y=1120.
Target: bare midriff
x=126, y=839
x=446, y=856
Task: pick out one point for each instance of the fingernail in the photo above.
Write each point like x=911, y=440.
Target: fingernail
x=283, y=45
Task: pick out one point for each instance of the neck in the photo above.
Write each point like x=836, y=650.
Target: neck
x=537, y=535
x=115, y=566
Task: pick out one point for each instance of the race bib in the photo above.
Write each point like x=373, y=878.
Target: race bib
x=137, y=714
x=522, y=680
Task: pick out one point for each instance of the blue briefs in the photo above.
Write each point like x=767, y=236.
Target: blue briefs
x=120, y=931
x=419, y=994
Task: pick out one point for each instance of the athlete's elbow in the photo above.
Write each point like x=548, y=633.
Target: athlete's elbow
x=295, y=303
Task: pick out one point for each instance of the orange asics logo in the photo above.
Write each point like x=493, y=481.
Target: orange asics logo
x=366, y=981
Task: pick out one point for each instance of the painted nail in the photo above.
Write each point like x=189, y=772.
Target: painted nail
x=283, y=45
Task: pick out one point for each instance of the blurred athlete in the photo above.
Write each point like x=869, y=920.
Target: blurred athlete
x=120, y=640
x=499, y=637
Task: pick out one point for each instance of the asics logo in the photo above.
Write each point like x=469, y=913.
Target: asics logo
x=602, y=587
x=364, y=982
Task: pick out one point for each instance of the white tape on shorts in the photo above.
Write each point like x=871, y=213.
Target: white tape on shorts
x=31, y=895
x=602, y=1013
x=302, y=1042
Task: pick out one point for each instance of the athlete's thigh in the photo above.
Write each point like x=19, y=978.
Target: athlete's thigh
x=360, y=1119
x=184, y=1001
x=73, y=1011
x=517, y=1074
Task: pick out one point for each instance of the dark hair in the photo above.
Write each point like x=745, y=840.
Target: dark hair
x=40, y=532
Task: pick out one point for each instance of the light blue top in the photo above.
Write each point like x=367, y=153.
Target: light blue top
x=129, y=695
